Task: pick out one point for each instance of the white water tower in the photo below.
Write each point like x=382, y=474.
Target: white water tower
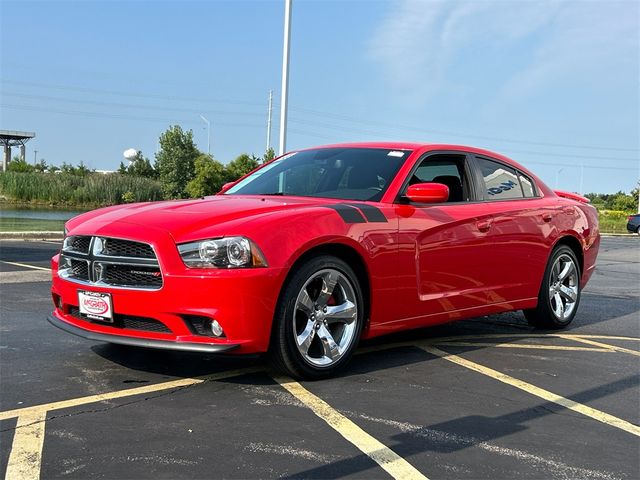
x=130, y=154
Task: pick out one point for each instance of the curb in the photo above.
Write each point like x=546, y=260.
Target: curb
x=47, y=235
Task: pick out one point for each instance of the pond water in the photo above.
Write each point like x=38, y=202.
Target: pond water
x=20, y=219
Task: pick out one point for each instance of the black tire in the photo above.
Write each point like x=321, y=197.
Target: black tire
x=292, y=320
x=638, y=230
x=546, y=314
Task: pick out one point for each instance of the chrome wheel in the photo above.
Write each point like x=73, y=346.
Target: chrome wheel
x=325, y=317
x=563, y=287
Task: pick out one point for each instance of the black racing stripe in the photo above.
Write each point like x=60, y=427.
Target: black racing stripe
x=348, y=214
x=372, y=213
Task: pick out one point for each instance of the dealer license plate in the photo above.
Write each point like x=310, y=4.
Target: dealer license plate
x=95, y=305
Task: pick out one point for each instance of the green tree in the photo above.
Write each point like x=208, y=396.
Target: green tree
x=175, y=162
x=242, y=165
x=269, y=155
x=40, y=166
x=53, y=169
x=140, y=166
x=122, y=169
x=209, y=178
x=19, y=165
x=82, y=170
x=626, y=203
x=68, y=168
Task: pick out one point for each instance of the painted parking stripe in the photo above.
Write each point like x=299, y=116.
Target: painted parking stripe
x=391, y=462
x=537, y=391
x=25, y=457
x=530, y=335
x=600, y=344
x=156, y=387
x=523, y=346
x=16, y=264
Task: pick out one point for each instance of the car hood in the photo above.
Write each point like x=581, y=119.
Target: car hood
x=185, y=217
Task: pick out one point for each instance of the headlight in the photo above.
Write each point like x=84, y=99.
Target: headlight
x=227, y=252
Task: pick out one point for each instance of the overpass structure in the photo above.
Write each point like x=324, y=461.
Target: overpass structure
x=10, y=138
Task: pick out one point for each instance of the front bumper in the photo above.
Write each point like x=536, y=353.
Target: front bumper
x=54, y=320
x=243, y=301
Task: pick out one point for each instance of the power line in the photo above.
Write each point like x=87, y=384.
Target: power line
x=130, y=94
x=129, y=105
x=341, y=128
x=301, y=132
x=118, y=116
x=397, y=126
x=335, y=116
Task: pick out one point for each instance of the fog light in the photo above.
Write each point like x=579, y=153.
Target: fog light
x=216, y=329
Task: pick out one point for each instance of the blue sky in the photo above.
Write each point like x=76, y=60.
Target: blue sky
x=554, y=85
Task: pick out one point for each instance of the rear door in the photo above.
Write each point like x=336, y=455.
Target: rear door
x=522, y=223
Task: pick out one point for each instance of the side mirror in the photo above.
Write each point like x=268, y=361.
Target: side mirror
x=428, y=193
x=226, y=186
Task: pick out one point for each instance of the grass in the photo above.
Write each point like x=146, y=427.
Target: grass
x=91, y=190
x=30, y=225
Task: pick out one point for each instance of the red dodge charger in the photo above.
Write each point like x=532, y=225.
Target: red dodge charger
x=319, y=248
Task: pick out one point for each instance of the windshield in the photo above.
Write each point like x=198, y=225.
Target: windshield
x=344, y=173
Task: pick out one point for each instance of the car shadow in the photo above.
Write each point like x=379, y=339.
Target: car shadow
x=465, y=432
x=187, y=364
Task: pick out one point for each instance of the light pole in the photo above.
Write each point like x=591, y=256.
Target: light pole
x=285, y=78
x=269, y=120
x=208, y=133
x=35, y=157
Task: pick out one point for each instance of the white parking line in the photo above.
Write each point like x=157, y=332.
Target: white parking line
x=16, y=264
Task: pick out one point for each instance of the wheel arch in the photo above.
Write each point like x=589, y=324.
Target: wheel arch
x=349, y=255
x=574, y=244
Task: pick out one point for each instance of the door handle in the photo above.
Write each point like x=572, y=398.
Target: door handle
x=547, y=217
x=484, y=226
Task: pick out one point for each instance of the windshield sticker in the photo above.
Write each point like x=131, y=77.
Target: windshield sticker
x=395, y=153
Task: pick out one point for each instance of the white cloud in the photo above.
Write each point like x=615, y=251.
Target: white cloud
x=422, y=46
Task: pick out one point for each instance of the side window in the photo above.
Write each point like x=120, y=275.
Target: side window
x=445, y=169
x=501, y=182
x=527, y=186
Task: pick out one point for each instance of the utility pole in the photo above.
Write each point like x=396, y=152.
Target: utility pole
x=208, y=133
x=35, y=157
x=269, y=120
x=284, y=91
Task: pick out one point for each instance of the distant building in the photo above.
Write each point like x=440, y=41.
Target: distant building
x=10, y=138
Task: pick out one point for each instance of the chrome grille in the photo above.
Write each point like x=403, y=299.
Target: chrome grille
x=125, y=275
x=125, y=248
x=77, y=243
x=113, y=262
x=80, y=269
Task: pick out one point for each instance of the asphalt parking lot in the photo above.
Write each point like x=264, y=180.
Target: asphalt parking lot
x=484, y=398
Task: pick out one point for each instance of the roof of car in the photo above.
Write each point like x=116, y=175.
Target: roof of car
x=425, y=146
x=414, y=146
